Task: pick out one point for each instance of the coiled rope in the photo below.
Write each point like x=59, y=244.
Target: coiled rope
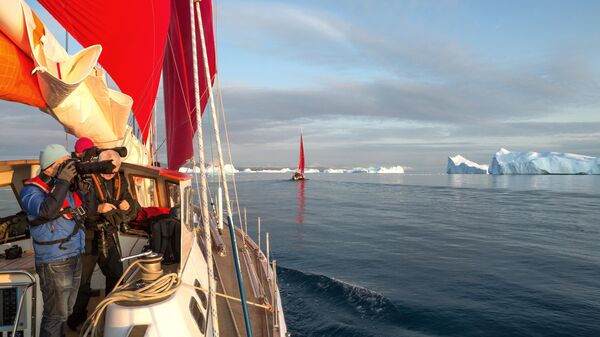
x=160, y=289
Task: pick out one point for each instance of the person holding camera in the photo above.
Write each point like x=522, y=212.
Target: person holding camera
x=116, y=207
x=56, y=216
x=84, y=148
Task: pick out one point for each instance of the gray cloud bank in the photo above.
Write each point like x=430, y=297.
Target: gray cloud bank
x=412, y=98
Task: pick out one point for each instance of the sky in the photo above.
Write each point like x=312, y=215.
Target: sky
x=385, y=83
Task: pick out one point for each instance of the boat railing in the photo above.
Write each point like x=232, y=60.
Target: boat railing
x=32, y=283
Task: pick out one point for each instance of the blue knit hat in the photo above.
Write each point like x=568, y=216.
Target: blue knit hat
x=51, y=154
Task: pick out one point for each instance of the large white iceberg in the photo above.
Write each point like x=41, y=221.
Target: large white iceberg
x=461, y=165
x=506, y=162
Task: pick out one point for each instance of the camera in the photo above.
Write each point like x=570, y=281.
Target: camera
x=85, y=166
x=82, y=181
x=88, y=167
x=13, y=252
x=95, y=152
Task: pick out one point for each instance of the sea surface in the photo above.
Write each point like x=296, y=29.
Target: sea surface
x=429, y=255
x=432, y=255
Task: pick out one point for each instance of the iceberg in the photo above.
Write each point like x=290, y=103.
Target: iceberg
x=388, y=170
x=283, y=170
x=370, y=169
x=210, y=169
x=461, y=165
x=507, y=162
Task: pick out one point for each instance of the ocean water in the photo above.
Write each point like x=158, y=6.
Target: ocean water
x=432, y=255
x=429, y=255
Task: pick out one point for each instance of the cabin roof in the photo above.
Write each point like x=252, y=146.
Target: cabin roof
x=160, y=171
x=19, y=162
x=150, y=170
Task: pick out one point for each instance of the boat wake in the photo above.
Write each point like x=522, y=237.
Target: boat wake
x=317, y=305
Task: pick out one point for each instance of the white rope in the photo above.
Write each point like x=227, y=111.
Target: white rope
x=204, y=198
x=214, y=115
x=235, y=192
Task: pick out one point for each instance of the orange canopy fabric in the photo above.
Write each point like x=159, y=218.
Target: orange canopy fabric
x=17, y=84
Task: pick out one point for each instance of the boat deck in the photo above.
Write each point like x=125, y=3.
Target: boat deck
x=231, y=317
x=230, y=313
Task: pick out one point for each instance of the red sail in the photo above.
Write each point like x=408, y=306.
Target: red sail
x=301, y=162
x=178, y=79
x=133, y=35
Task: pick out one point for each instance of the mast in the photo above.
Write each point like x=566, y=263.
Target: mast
x=204, y=197
x=223, y=176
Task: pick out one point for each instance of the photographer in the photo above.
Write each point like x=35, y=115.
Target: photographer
x=84, y=148
x=56, y=219
x=116, y=207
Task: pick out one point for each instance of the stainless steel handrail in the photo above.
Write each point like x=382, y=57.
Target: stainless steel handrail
x=22, y=299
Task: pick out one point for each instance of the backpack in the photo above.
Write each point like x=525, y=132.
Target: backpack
x=14, y=227
x=165, y=238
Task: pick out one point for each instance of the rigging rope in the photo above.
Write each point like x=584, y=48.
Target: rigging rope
x=235, y=192
x=204, y=199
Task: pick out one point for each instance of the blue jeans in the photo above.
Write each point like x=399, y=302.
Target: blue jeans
x=59, y=282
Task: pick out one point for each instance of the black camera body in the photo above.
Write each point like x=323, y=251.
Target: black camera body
x=88, y=167
x=95, y=152
x=82, y=181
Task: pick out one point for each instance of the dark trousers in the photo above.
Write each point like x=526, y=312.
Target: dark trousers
x=59, y=282
x=112, y=268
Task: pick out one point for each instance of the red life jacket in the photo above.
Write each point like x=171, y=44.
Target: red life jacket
x=38, y=182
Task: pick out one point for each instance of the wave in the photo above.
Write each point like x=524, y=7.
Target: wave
x=351, y=310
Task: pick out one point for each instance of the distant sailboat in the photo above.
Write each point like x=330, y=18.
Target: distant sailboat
x=299, y=174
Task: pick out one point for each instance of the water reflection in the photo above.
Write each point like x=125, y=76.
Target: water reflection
x=557, y=183
x=300, y=211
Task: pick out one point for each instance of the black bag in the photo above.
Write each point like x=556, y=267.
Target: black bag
x=14, y=227
x=165, y=238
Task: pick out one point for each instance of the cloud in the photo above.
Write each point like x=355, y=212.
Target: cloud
x=381, y=92
x=26, y=130
x=429, y=78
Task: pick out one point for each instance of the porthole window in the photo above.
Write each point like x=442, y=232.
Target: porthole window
x=197, y=314
x=201, y=294
x=188, y=210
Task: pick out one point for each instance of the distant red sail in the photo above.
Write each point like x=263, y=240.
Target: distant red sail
x=301, y=162
x=133, y=35
x=178, y=79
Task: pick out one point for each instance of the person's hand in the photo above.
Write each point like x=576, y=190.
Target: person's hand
x=106, y=207
x=124, y=205
x=67, y=172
